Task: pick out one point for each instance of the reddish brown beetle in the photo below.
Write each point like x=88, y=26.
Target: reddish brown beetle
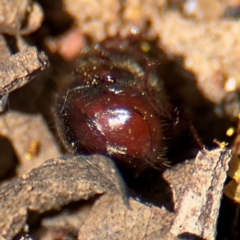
x=116, y=105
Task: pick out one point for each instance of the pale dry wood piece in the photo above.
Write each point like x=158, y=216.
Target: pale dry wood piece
x=18, y=70
x=56, y=183
x=197, y=190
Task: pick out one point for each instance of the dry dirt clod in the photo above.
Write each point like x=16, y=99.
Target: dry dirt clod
x=54, y=184
x=14, y=13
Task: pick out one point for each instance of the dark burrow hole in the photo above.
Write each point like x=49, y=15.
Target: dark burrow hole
x=188, y=236
x=181, y=88
x=149, y=188
x=228, y=220
x=11, y=43
x=56, y=19
x=8, y=159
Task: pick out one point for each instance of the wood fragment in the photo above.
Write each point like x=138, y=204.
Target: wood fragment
x=197, y=190
x=19, y=69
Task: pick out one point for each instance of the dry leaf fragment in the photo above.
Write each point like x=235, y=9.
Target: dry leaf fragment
x=19, y=69
x=110, y=219
x=56, y=183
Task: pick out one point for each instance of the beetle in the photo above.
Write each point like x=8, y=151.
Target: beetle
x=115, y=105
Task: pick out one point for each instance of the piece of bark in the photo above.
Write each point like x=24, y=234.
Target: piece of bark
x=56, y=183
x=197, y=190
x=19, y=69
